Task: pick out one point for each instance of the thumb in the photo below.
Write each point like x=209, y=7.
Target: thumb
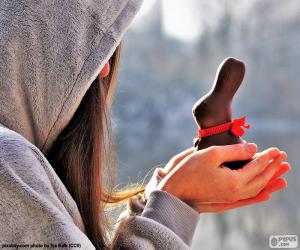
x=235, y=152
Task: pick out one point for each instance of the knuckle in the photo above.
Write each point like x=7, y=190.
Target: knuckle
x=241, y=147
x=214, y=150
x=261, y=160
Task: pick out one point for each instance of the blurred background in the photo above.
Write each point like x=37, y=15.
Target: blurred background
x=170, y=56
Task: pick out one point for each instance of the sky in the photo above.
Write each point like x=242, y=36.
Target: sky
x=186, y=20
x=180, y=18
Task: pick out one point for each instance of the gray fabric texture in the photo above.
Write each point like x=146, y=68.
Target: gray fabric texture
x=173, y=224
x=183, y=224
x=51, y=52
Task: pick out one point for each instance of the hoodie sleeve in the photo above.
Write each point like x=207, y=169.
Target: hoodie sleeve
x=32, y=209
x=160, y=222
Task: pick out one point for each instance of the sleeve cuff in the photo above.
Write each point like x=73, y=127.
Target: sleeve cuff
x=173, y=213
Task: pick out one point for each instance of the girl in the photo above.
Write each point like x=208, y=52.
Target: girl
x=58, y=67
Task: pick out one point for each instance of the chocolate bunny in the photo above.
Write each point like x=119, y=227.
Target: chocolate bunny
x=213, y=114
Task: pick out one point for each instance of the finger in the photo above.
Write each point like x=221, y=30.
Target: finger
x=177, y=158
x=228, y=153
x=275, y=185
x=256, y=166
x=221, y=207
x=284, y=168
x=261, y=180
x=259, y=198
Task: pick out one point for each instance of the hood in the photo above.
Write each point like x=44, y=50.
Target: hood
x=50, y=53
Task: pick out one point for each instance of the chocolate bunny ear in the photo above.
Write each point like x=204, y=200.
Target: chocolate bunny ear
x=229, y=77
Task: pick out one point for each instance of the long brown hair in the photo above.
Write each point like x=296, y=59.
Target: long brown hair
x=83, y=157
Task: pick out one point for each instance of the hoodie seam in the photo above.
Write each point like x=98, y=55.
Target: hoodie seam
x=108, y=34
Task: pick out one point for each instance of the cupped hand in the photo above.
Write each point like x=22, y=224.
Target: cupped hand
x=274, y=185
x=200, y=177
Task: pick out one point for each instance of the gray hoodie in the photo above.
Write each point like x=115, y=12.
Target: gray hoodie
x=50, y=53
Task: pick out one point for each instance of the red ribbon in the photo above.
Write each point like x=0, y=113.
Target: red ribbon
x=235, y=127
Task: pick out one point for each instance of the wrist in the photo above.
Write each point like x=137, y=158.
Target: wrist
x=169, y=187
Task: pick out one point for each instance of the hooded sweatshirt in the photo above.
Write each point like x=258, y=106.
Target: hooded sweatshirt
x=50, y=53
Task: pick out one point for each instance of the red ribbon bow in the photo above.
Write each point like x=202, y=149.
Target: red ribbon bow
x=236, y=127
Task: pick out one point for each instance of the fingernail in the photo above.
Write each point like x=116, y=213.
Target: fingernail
x=277, y=150
x=251, y=147
x=283, y=154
